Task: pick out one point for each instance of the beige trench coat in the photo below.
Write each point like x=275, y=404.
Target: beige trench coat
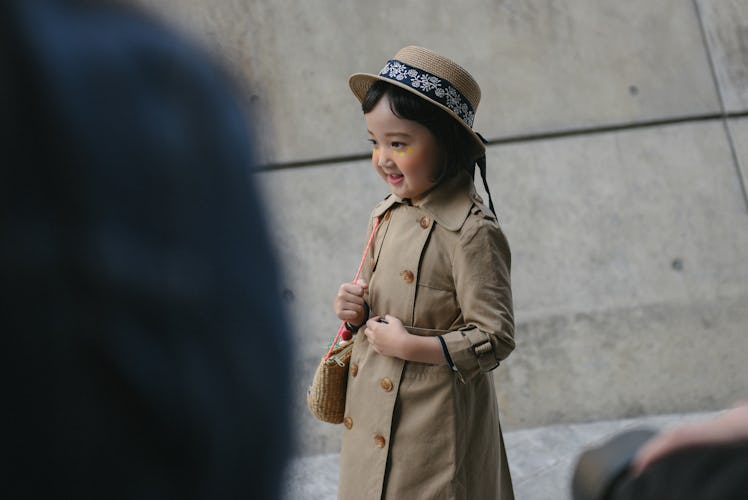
x=419, y=431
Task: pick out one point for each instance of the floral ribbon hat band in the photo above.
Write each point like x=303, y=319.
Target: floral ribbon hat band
x=434, y=78
x=429, y=85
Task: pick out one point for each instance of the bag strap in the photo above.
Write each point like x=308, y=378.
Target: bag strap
x=355, y=280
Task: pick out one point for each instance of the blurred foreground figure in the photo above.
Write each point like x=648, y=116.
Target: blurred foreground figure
x=138, y=295
x=696, y=461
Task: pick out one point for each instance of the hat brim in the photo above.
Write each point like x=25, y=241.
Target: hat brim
x=361, y=82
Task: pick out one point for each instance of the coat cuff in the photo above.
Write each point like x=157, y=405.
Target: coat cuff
x=472, y=352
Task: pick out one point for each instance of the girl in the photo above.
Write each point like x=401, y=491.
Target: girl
x=433, y=311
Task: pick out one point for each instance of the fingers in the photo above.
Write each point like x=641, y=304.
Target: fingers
x=391, y=320
x=349, y=311
x=353, y=292
x=348, y=300
x=372, y=325
x=349, y=303
x=373, y=322
x=371, y=332
x=386, y=335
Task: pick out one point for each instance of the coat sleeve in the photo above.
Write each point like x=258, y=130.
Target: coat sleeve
x=481, y=268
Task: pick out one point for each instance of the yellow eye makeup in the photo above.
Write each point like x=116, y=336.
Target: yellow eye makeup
x=403, y=153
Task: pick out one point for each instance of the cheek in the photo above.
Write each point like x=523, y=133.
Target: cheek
x=414, y=159
x=434, y=161
x=375, y=156
x=404, y=154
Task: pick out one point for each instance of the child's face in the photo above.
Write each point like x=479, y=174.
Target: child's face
x=405, y=153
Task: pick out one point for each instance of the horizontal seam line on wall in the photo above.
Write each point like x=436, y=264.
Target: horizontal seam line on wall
x=518, y=139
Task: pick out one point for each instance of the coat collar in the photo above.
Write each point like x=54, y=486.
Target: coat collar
x=448, y=203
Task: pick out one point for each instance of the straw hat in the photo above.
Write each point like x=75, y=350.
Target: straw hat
x=434, y=78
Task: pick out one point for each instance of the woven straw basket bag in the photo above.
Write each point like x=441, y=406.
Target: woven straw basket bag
x=326, y=396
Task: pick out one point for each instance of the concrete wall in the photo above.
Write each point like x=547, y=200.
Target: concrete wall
x=618, y=162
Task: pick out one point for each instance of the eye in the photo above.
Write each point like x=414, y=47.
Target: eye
x=397, y=145
x=373, y=143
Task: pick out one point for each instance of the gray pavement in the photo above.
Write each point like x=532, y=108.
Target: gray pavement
x=541, y=459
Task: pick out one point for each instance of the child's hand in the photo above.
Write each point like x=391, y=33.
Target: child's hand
x=349, y=303
x=388, y=338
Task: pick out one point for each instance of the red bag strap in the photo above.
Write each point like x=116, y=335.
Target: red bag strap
x=355, y=280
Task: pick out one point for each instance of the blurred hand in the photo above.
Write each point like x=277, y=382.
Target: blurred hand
x=730, y=426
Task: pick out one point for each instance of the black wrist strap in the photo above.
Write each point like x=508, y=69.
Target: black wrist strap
x=352, y=328
x=446, y=353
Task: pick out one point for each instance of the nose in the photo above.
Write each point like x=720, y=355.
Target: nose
x=383, y=159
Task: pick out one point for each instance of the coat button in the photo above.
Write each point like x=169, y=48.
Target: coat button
x=386, y=384
x=354, y=369
x=348, y=422
x=424, y=222
x=379, y=440
x=407, y=276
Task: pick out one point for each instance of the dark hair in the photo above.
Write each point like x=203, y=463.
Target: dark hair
x=450, y=135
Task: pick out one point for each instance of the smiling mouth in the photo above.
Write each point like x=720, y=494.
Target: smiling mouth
x=395, y=178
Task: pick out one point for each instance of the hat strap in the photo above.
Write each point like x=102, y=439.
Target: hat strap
x=482, y=166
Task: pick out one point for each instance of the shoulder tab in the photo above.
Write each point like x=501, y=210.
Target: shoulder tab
x=481, y=210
